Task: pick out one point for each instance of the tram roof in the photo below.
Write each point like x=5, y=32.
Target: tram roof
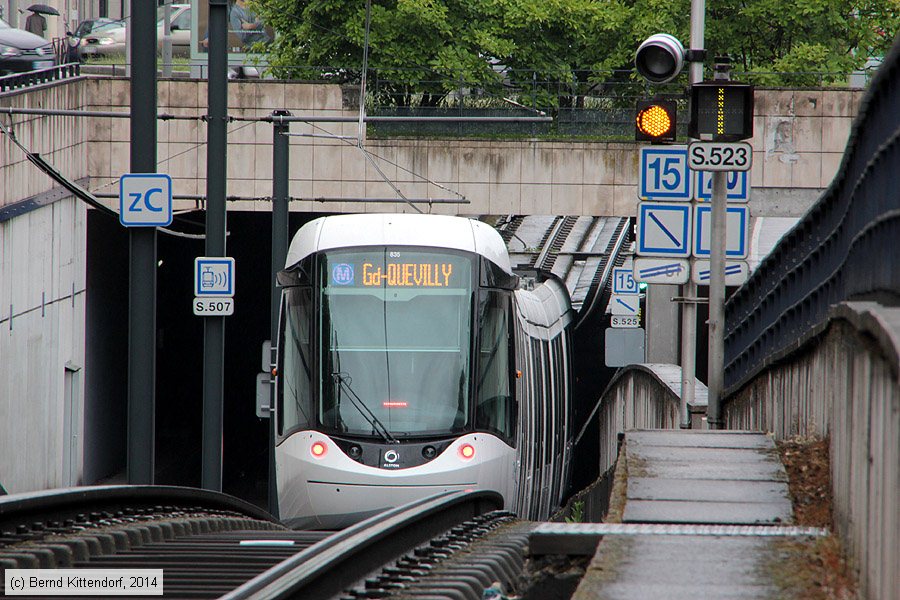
x=399, y=229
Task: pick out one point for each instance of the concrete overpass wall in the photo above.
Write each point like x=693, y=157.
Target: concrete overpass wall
x=800, y=139
x=42, y=295
x=842, y=381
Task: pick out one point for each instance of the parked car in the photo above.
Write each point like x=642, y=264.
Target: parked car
x=109, y=39
x=21, y=51
x=105, y=39
x=83, y=30
x=89, y=25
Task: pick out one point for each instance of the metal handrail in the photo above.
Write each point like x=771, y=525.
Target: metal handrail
x=16, y=81
x=839, y=251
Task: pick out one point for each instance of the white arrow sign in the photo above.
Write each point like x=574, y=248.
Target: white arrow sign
x=736, y=272
x=661, y=270
x=624, y=305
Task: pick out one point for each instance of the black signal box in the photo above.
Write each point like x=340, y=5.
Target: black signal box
x=721, y=111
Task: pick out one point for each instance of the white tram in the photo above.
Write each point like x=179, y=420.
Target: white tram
x=410, y=362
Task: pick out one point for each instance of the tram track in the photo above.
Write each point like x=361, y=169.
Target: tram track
x=210, y=545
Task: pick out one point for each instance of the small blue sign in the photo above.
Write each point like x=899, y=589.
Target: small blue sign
x=737, y=227
x=623, y=281
x=145, y=200
x=664, y=229
x=664, y=173
x=737, y=186
x=342, y=274
x=213, y=276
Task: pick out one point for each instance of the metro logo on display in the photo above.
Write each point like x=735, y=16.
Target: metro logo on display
x=403, y=274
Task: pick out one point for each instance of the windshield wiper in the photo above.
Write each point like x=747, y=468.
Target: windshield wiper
x=343, y=380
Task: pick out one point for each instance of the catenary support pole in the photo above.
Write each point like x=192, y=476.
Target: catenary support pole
x=214, y=327
x=142, y=256
x=689, y=290
x=718, y=244
x=280, y=212
x=717, y=299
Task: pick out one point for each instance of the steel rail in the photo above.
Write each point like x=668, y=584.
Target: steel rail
x=341, y=560
x=29, y=506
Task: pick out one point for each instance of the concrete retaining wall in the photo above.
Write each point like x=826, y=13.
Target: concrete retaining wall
x=843, y=382
x=645, y=396
x=800, y=139
x=42, y=288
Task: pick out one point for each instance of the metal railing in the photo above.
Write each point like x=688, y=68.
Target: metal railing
x=841, y=250
x=30, y=78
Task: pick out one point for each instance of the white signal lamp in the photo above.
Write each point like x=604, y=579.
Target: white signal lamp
x=660, y=58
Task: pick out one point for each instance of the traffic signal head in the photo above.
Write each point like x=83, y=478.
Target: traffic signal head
x=655, y=121
x=660, y=58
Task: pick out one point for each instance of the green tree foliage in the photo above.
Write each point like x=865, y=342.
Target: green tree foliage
x=560, y=50
x=422, y=47
x=815, y=41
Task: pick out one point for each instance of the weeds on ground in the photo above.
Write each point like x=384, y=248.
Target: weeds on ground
x=816, y=569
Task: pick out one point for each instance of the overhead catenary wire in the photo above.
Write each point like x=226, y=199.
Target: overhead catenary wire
x=398, y=165
x=76, y=190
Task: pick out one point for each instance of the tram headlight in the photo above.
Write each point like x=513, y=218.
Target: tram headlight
x=318, y=449
x=467, y=452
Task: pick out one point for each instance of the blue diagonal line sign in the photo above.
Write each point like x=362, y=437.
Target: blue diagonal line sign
x=661, y=270
x=729, y=270
x=625, y=304
x=664, y=229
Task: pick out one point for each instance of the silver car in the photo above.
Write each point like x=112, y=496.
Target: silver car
x=21, y=51
x=109, y=39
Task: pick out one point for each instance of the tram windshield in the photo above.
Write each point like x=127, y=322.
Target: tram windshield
x=395, y=327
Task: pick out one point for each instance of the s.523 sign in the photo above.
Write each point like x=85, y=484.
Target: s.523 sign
x=720, y=156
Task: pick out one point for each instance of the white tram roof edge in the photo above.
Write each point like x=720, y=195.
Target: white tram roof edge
x=398, y=229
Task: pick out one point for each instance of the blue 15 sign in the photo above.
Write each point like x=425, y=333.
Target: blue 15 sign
x=664, y=173
x=624, y=282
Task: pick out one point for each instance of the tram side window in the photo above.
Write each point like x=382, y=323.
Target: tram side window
x=295, y=368
x=495, y=408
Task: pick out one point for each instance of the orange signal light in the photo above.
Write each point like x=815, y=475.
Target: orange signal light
x=655, y=121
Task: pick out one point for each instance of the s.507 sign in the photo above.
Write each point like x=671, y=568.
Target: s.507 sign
x=720, y=156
